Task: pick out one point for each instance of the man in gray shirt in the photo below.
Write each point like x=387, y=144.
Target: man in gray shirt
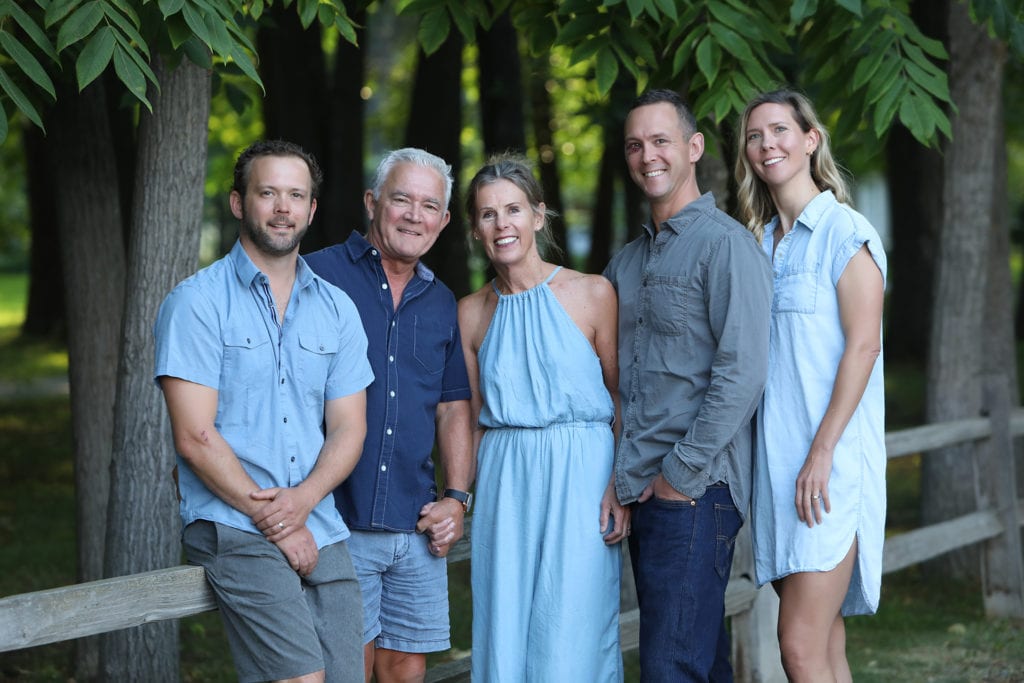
x=694, y=304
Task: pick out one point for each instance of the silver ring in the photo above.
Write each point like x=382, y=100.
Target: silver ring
x=815, y=496
x=280, y=525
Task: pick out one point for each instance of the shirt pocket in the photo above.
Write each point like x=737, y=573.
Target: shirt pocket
x=430, y=344
x=796, y=291
x=667, y=312
x=316, y=353
x=248, y=359
x=245, y=357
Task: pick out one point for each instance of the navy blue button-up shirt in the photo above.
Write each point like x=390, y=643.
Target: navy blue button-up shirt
x=416, y=356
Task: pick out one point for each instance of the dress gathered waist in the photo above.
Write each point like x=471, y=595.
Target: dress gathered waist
x=576, y=424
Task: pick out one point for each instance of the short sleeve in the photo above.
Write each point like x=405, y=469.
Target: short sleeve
x=188, y=339
x=455, y=382
x=853, y=232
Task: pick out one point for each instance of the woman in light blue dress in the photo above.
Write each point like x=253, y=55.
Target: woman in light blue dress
x=819, y=470
x=540, y=345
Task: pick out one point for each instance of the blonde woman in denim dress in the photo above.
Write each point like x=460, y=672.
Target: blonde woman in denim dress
x=819, y=467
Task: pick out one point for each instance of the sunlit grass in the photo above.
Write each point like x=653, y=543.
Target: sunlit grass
x=24, y=360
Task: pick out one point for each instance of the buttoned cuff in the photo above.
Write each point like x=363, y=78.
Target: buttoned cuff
x=682, y=478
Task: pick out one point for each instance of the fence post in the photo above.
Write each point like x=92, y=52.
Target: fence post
x=755, y=645
x=1002, y=564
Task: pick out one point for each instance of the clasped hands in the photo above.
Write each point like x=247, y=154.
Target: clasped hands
x=282, y=520
x=442, y=522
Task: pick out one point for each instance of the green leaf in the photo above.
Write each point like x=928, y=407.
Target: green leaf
x=307, y=12
x=636, y=44
x=732, y=42
x=129, y=29
x=347, y=29
x=866, y=67
x=709, y=59
x=722, y=107
x=28, y=64
x=580, y=28
x=434, y=29
x=177, y=30
x=918, y=57
x=220, y=39
x=130, y=74
x=887, y=106
x=80, y=24
x=929, y=45
x=169, y=7
x=884, y=80
x=95, y=56
x=18, y=97
x=636, y=8
x=626, y=60
x=464, y=20
x=32, y=30
x=3, y=122
x=735, y=20
x=684, y=51
x=936, y=85
x=197, y=52
x=587, y=49
x=195, y=22
x=802, y=9
x=419, y=6
x=852, y=6
x=133, y=54
x=668, y=8
x=607, y=70
x=241, y=59
x=57, y=10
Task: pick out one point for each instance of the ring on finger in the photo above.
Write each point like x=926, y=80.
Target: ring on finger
x=815, y=496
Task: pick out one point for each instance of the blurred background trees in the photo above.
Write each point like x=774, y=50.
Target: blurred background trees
x=122, y=120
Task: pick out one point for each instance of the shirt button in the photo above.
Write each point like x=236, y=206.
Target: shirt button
x=633, y=398
x=384, y=286
x=640, y=321
x=286, y=420
x=248, y=341
x=282, y=380
x=392, y=394
x=389, y=431
x=373, y=251
x=293, y=458
x=383, y=468
x=391, y=359
x=321, y=347
x=392, y=323
x=629, y=435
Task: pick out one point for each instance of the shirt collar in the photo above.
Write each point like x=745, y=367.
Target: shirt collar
x=247, y=270
x=686, y=216
x=815, y=210
x=358, y=247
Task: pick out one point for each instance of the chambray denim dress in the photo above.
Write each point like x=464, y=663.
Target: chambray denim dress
x=804, y=349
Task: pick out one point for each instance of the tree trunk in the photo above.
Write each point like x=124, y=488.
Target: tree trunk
x=501, y=87
x=143, y=525
x=541, y=119
x=44, y=314
x=915, y=184
x=296, y=105
x=602, y=226
x=435, y=124
x=342, y=210
x=914, y=178
x=956, y=349
x=83, y=172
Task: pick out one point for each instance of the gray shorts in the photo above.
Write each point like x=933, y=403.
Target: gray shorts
x=279, y=624
x=405, y=591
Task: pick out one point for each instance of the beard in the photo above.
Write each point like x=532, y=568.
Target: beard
x=268, y=243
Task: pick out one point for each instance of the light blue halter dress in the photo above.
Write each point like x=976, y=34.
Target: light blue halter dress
x=545, y=586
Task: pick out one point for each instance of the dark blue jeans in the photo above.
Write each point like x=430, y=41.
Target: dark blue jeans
x=681, y=554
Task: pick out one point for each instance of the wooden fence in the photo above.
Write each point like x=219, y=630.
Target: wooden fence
x=87, y=609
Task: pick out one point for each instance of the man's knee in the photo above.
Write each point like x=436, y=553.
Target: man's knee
x=392, y=666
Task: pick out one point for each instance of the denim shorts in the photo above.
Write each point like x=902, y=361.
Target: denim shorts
x=405, y=591
x=279, y=624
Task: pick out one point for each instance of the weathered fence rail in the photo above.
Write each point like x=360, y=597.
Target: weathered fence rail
x=71, y=612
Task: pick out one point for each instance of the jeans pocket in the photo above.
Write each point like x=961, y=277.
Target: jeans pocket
x=727, y=526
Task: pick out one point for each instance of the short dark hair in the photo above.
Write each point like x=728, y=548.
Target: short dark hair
x=659, y=95
x=275, y=148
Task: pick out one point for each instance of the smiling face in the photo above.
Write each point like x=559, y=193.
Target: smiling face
x=505, y=223
x=409, y=214
x=777, y=149
x=278, y=205
x=661, y=156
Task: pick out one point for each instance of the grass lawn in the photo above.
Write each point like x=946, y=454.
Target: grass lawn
x=928, y=630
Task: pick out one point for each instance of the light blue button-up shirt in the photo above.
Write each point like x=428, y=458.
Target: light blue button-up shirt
x=220, y=328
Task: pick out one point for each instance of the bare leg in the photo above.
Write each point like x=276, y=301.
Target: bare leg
x=812, y=636
x=392, y=666
x=368, y=652
x=316, y=677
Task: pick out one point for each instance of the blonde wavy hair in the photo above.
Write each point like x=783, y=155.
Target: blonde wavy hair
x=755, y=202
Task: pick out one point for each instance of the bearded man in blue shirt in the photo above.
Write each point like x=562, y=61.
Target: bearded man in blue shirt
x=421, y=391
x=263, y=368
x=694, y=304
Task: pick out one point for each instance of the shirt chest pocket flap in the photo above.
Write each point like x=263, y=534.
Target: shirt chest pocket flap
x=315, y=356
x=796, y=290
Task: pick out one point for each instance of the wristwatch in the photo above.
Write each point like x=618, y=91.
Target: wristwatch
x=462, y=496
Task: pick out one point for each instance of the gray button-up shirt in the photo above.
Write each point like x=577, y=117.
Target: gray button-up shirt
x=694, y=308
